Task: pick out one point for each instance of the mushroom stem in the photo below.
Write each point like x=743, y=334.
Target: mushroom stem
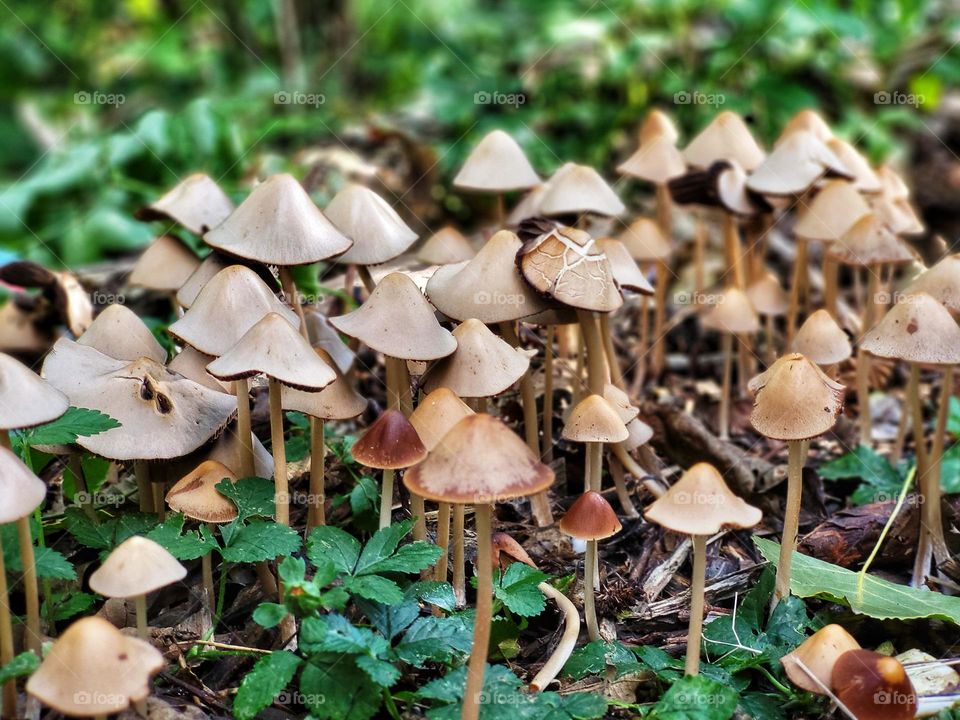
x=443, y=541
x=863, y=360
x=386, y=498
x=726, y=343
x=658, y=359
x=366, y=278
x=289, y=288
x=699, y=254
x=934, y=520
x=140, y=602
x=581, y=356
x=548, y=395
x=589, y=599
x=241, y=388
x=318, y=450
x=634, y=468
x=770, y=349
x=6, y=643
x=568, y=641
x=797, y=285
x=791, y=519
x=144, y=492
x=626, y=503
x=459, y=574
x=643, y=344
x=159, y=491
x=30, y=590
x=697, y=583
x=481, y=626
x=616, y=374
x=731, y=242
x=281, y=488
x=596, y=367
x=595, y=465
x=831, y=276
x=206, y=571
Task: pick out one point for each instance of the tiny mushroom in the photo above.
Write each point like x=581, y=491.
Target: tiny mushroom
x=496, y=165
x=872, y=686
x=196, y=203
x=821, y=340
x=445, y=247
x=810, y=665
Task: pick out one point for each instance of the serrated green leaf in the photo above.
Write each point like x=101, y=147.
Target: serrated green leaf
x=269, y=615
x=75, y=422
x=333, y=633
x=517, y=589
x=292, y=570
x=762, y=706
x=48, y=562
x=23, y=664
x=696, y=698
x=334, y=688
x=261, y=540
x=410, y=559
x=381, y=546
x=437, y=639
x=374, y=587
x=253, y=496
x=334, y=544
x=271, y=674
x=596, y=657
x=69, y=604
x=110, y=533
x=380, y=671
x=183, y=545
x=880, y=479
x=439, y=594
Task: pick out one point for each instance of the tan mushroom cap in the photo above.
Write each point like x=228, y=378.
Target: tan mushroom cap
x=192, y=364
x=196, y=203
x=700, y=503
x=625, y=270
x=445, y=247
x=480, y=460
x=821, y=340
x=323, y=336
x=397, y=320
x=206, y=270
x=337, y=401
x=942, y=282
x=870, y=242
x=893, y=184
x=77, y=309
x=832, y=212
x=278, y=224
x=165, y=265
x=94, y=670
x=580, y=189
x=274, y=348
x=639, y=434
x=818, y=653
x=874, y=686
x=726, y=137
x=767, y=295
x=590, y=518
x=496, y=164
x=528, y=205
x=120, y=333
x=919, y=330
x=377, y=231
x=864, y=177
x=566, y=265
x=798, y=162
x=436, y=415
x=898, y=214
x=21, y=490
x=794, y=400
x=658, y=124
x=19, y=334
x=231, y=303
x=656, y=161
x=732, y=313
x=196, y=495
x=137, y=566
x=390, y=443
x=489, y=287
x=593, y=419
x=809, y=120
x=26, y=399
x=620, y=402
x=483, y=365
x=645, y=241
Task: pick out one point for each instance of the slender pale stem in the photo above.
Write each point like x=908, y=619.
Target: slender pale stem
x=548, y=395
x=30, y=589
x=658, y=354
x=318, y=452
x=797, y=286
x=459, y=573
x=6, y=643
x=726, y=343
x=141, y=471
x=83, y=498
x=619, y=482
x=443, y=541
x=366, y=278
x=244, y=427
x=699, y=254
x=770, y=346
x=791, y=519
x=386, y=498
x=731, y=242
x=140, y=602
x=831, y=278
x=568, y=641
x=159, y=490
x=484, y=615
x=697, y=587
x=613, y=363
x=934, y=520
x=642, y=352
x=595, y=452
x=280, y=482
x=596, y=367
x=293, y=297
x=589, y=597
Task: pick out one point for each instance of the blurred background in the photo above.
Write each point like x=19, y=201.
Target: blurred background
x=107, y=104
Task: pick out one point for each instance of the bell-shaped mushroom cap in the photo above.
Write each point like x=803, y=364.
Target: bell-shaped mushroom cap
x=278, y=224
x=391, y=443
x=192, y=364
x=625, y=270
x=162, y=414
x=377, y=231
x=436, y=414
x=229, y=305
x=700, y=503
x=324, y=337
x=206, y=271
x=445, y=247
x=165, y=265
x=656, y=161
x=795, y=400
x=620, y=402
x=810, y=121
x=503, y=544
x=21, y=490
x=821, y=340
x=528, y=206
x=337, y=401
x=870, y=242
x=579, y=189
x=917, y=329
x=593, y=419
x=590, y=518
x=864, y=177
x=137, y=566
x=818, y=654
x=196, y=495
x=496, y=164
x=196, y=203
x=480, y=460
x=488, y=287
x=639, y=434
x=566, y=265
x=658, y=124
x=121, y=334
x=732, y=313
x=767, y=295
x=63, y=297
x=893, y=185
x=645, y=241
x=873, y=686
x=225, y=449
x=832, y=212
x=899, y=215
x=942, y=282
x=273, y=347
x=795, y=165
x=94, y=670
x=483, y=365
x=397, y=321
x=725, y=138
x=26, y=399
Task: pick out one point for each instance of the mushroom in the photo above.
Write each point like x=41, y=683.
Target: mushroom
x=810, y=665
x=164, y=266
x=872, y=686
x=767, y=296
x=809, y=120
x=577, y=190
x=822, y=341
x=192, y=364
x=865, y=179
x=62, y=299
x=795, y=401
x=446, y=247
x=699, y=505
x=496, y=165
x=121, y=334
x=196, y=203
x=593, y=421
x=208, y=269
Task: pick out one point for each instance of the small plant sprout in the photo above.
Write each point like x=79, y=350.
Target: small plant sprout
x=496, y=165
x=821, y=340
x=699, y=505
x=873, y=686
x=810, y=665
x=196, y=204
x=446, y=247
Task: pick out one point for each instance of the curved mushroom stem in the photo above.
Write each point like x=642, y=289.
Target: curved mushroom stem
x=281, y=487
x=697, y=583
x=141, y=471
x=596, y=366
x=634, y=468
x=568, y=641
x=443, y=541
x=140, y=602
x=616, y=373
x=623, y=496
x=6, y=643
x=791, y=519
x=589, y=600
x=317, y=514
x=484, y=616
x=241, y=388
x=30, y=591
x=459, y=573
x=548, y=395
x=723, y=422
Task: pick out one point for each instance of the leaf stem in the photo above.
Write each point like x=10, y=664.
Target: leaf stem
x=862, y=574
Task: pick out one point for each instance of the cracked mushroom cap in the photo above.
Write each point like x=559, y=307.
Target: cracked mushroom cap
x=818, y=653
x=725, y=138
x=275, y=349
x=942, y=282
x=196, y=495
x=590, y=518
x=795, y=165
x=593, y=419
x=397, y=320
x=26, y=399
x=196, y=203
x=832, y=212
x=794, y=400
x=497, y=164
x=576, y=189
x=657, y=160
x=483, y=365
x=767, y=295
x=700, y=503
x=870, y=242
x=620, y=402
x=645, y=241
x=732, y=313
x=436, y=414
x=625, y=269
x=93, y=669
x=164, y=266
x=21, y=490
x=864, y=178
x=377, y=231
x=390, y=443
x=821, y=340
x=488, y=287
x=120, y=333
x=873, y=686
x=480, y=460
x=639, y=434
x=278, y=224
x=446, y=247
x=137, y=566
x=807, y=120
x=231, y=303
x=917, y=329
x=337, y=401
x=192, y=364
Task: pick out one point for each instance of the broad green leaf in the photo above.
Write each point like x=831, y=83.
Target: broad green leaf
x=110, y=533
x=264, y=682
x=269, y=615
x=374, y=587
x=253, y=496
x=75, y=422
x=334, y=688
x=762, y=706
x=437, y=639
x=333, y=633
x=48, y=562
x=183, y=545
x=69, y=604
x=261, y=541
x=334, y=544
x=23, y=664
x=381, y=546
x=597, y=656
x=380, y=671
x=696, y=698
x=880, y=480
x=517, y=589
x=436, y=593
x=412, y=558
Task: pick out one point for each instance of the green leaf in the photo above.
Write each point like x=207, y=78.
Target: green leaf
x=23, y=664
x=696, y=698
x=762, y=706
x=253, y=496
x=261, y=541
x=334, y=544
x=364, y=503
x=518, y=590
x=110, y=533
x=380, y=671
x=264, y=682
x=437, y=639
x=183, y=545
x=269, y=615
x=69, y=604
x=333, y=633
x=436, y=593
x=880, y=479
x=374, y=587
x=381, y=546
x=48, y=562
x=75, y=422
x=292, y=570
x=597, y=656
x=334, y=688
x=410, y=559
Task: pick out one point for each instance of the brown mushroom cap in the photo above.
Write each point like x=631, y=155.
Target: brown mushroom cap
x=767, y=295
x=873, y=686
x=810, y=121
x=192, y=364
x=942, y=282
x=579, y=189
x=656, y=161
x=620, y=402
x=196, y=495
x=504, y=544
x=496, y=164
x=822, y=340
x=137, y=566
x=377, y=231
x=278, y=224
x=445, y=247
x=593, y=419
x=645, y=241
x=197, y=203
x=725, y=138
x=93, y=669
x=868, y=242
x=625, y=269
x=21, y=490
x=390, y=443
x=164, y=266
x=818, y=653
x=795, y=400
x=864, y=177
x=121, y=334
x=639, y=434
x=590, y=518
x=917, y=329
x=798, y=162
x=832, y=212
x=337, y=401
x=480, y=460
x=731, y=313
x=436, y=414
x=700, y=503
x=26, y=399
